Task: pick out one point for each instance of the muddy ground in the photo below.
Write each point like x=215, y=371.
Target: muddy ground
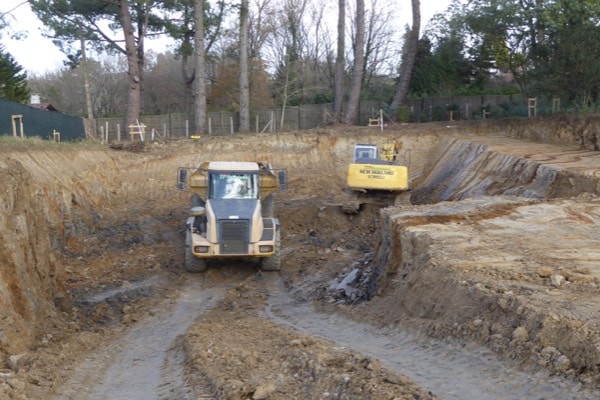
x=481, y=282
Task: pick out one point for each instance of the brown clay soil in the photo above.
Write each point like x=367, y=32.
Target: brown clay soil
x=480, y=282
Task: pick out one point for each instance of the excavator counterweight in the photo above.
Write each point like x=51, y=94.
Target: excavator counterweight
x=374, y=176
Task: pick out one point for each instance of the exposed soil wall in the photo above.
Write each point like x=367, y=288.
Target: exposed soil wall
x=464, y=167
x=46, y=196
x=578, y=130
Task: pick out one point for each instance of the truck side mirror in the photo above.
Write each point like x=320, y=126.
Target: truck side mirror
x=282, y=177
x=182, y=178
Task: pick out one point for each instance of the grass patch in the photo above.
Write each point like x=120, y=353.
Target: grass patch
x=14, y=143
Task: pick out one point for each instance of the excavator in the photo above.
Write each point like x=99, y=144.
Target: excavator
x=375, y=176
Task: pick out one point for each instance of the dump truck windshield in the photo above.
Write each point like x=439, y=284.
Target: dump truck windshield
x=233, y=186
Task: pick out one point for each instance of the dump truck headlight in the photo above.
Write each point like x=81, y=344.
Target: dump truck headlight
x=266, y=248
x=200, y=249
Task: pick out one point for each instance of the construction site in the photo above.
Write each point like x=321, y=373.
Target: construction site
x=479, y=279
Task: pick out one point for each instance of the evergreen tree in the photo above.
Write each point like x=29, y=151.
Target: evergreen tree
x=13, y=80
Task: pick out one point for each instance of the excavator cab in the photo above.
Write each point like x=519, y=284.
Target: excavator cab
x=364, y=152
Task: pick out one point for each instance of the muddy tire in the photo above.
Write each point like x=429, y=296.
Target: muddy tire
x=192, y=263
x=273, y=263
x=268, y=206
x=197, y=201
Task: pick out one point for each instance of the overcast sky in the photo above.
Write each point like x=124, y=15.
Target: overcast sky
x=38, y=55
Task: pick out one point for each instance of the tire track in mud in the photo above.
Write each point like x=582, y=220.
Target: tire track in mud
x=147, y=361
x=448, y=369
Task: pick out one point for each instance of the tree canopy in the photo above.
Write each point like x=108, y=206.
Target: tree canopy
x=547, y=47
x=542, y=48
x=13, y=79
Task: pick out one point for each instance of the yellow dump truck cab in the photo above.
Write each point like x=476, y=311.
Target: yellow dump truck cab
x=232, y=213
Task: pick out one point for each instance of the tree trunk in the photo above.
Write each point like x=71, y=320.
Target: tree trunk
x=340, y=65
x=86, y=80
x=133, y=66
x=200, y=74
x=408, y=59
x=188, y=77
x=359, y=59
x=244, y=80
x=188, y=87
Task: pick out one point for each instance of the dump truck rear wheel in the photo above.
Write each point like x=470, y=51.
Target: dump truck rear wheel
x=273, y=263
x=192, y=263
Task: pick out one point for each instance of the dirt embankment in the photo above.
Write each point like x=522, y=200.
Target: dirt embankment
x=46, y=197
x=487, y=269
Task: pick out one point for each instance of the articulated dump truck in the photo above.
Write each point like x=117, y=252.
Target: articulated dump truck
x=375, y=176
x=232, y=213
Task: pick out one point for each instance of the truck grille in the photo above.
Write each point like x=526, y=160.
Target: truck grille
x=234, y=236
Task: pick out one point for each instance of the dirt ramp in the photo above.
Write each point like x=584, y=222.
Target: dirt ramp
x=236, y=354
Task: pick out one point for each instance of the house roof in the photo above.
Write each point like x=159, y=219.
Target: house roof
x=44, y=106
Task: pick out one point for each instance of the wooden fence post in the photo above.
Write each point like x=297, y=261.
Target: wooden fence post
x=532, y=106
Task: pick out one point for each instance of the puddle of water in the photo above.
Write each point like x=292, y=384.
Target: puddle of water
x=127, y=287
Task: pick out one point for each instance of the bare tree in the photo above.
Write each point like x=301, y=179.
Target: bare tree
x=244, y=80
x=165, y=90
x=340, y=64
x=86, y=80
x=108, y=81
x=359, y=56
x=381, y=51
x=180, y=25
x=286, y=44
x=408, y=59
x=199, y=87
x=262, y=24
x=64, y=88
x=98, y=21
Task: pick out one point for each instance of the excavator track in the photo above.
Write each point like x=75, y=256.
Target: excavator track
x=352, y=201
x=351, y=207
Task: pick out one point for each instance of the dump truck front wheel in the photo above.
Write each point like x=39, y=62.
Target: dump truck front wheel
x=192, y=263
x=273, y=263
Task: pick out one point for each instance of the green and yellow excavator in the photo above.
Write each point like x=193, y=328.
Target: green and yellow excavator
x=375, y=176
